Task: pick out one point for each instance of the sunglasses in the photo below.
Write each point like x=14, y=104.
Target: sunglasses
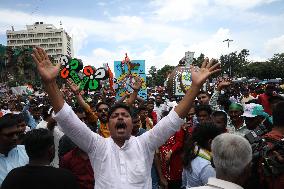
x=103, y=110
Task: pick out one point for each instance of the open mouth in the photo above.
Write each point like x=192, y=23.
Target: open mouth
x=120, y=126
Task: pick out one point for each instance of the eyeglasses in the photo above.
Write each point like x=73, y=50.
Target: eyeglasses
x=103, y=109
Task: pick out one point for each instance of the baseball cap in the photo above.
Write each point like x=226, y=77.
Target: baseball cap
x=253, y=110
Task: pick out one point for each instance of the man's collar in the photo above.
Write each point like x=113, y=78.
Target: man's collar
x=4, y=155
x=125, y=145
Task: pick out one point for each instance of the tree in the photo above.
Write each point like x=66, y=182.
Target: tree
x=233, y=63
x=271, y=69
x=199, y=60
x=152, y=76
x=162, y=75
x=157, y=77
x=18, y=63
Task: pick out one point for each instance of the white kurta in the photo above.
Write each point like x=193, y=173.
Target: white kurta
x=114, y=167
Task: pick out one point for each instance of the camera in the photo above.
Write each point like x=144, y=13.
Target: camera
x=255, y=136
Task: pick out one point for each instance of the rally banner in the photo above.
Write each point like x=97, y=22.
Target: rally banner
x=125, y=73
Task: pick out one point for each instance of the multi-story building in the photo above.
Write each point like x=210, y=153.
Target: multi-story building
x=56, y=42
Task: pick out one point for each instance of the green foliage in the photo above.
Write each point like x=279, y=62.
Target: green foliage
x=271, y=69
x=162, y=75
x=157, y=77
x=18, y=62
x=233, y=64
x=199, y=60
x=237, y=62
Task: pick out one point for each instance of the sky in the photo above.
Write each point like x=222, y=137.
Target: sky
x=157, y=31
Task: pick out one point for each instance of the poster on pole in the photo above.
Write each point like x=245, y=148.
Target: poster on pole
x=125, y=73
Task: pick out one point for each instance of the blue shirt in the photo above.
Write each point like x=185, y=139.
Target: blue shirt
x=17, y=157
x=29, y=119
x=201, y=171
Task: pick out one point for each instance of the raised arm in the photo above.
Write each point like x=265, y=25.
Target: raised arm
x=75, y=89
x=136, y=87
x=172, y=123
x=199, y=76
x=48, y=73
x=121, y=100
x=72, y=126
x=214, y=98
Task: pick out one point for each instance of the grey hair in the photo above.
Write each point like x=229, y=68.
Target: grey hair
x=231, y=154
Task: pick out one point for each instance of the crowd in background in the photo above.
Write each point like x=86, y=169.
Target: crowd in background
x=29, y=134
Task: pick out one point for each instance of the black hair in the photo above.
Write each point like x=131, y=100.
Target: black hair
x=220, y=114
x=278, y=114
x=200, y=137
x=20, y=117
x=8, y=120
x=78, y=109
x=134, y=113
x=45, y=112
x=275, y=99
x=150, y=101
x=203, y=107
x=255, y=101
x=224, y=101
x=203, y=92
x=158, y=95
x=165, y=113
x=99, y=104
x=142, y=107
x=270, y=87
x=119, y=105
x=37, y=142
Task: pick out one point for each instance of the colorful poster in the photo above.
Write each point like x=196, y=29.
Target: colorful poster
x=125, y=73
x=87, y=78
x=185, y=80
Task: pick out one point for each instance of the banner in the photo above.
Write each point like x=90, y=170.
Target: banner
x=87, y=78
x=125, y=73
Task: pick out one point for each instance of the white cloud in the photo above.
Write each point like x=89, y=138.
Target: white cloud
x=194, y=10
x=243, y=4
x=163, y=43
x=102, y=4
x=99, y=56
x=275, y=45
x=254, y=58
x=119, y=29
x=169, y=10
x=212, y=46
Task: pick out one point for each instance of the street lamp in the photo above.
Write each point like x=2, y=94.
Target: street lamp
x=229, y=41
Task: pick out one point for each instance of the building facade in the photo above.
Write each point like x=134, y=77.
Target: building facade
x=56, y=42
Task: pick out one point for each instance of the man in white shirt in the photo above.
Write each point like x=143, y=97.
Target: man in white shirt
x=122, y=160
x=232, y=155
x=55, y=130
x=160, y=107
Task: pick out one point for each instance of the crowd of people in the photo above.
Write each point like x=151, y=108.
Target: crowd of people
x=227, y=135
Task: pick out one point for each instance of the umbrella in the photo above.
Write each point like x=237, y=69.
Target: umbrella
x=273, y=81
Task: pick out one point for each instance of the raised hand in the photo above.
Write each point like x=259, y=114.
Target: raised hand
x=74, y=88
x=199, y=76
x=223, y=84
x=137, y=84
x=46, y=69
